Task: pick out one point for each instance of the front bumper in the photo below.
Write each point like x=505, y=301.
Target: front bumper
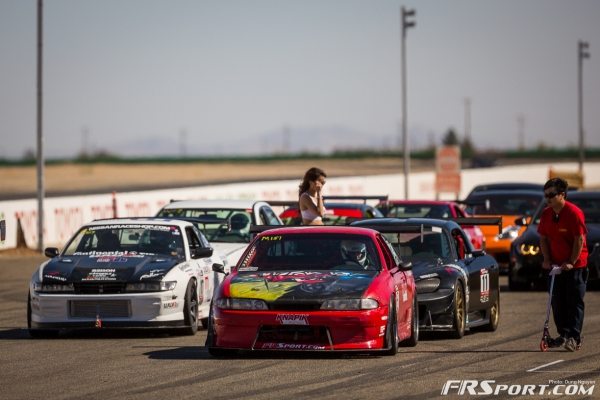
x=436, y=310
x=159, y=309
x=308, y=331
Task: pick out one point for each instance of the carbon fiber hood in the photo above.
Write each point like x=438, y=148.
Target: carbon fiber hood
x=96, y=268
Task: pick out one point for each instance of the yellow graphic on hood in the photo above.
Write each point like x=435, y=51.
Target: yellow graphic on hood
x=261, y=290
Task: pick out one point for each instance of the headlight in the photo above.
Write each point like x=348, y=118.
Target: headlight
x=53, y=287
x=151, y=286
x=529, y=249
x=241, y=304
x=510, y=232
x=428, y=285
x=350, y=304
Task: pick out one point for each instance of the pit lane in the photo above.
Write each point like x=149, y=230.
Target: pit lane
x=149, y=365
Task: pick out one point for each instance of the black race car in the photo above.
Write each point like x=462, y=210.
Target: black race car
x=525, y=268
x=457, y=287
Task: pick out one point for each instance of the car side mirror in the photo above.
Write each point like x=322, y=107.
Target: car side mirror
x=219, y=268
x=201, y=252
x=478, y=253
x=51, y=252
x=405, y=266
x=521, y=221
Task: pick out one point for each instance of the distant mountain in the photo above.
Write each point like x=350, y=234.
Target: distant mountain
x=316, y=139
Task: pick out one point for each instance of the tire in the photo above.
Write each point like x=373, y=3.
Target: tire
x=211, y=340
x=516, y=286
x=460, y=315
x=492, y=325
x=38, y=333
x=414, y=326
x=391, y=332
x=190, y=309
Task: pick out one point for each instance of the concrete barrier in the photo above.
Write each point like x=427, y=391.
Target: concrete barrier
x=64, y=215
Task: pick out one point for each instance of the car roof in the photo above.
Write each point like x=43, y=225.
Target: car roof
x=139, y=221
x=238, y=204
x=507, y=192
x=588, y=194
x=419, y=202
x=320, y=229
x=507, y=186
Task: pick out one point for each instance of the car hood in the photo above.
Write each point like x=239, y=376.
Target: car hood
x=299, y=286
x=424, y=268
x=94, y=268
x=230, y=250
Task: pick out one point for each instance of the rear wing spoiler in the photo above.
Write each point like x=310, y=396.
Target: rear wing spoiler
x=468, y=221
x=364, y=199
x=361, y=198
x=408, y=228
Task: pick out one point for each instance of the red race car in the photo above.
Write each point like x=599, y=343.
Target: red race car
x=318, y=288
x=438, y=209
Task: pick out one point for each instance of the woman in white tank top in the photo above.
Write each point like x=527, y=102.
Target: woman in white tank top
x=310, y=197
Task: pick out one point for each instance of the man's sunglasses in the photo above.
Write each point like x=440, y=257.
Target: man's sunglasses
x=551, y=195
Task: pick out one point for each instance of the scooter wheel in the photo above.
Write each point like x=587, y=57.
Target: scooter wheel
x=543, y=345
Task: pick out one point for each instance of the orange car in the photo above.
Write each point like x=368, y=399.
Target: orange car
x=510, y=205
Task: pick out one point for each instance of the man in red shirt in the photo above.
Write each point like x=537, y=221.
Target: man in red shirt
x=562, y=242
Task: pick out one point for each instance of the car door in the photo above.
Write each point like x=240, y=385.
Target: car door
x=202, y=267
x=399, y=281
x=479, y=272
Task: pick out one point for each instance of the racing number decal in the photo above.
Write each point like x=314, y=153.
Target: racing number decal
x=484, y=279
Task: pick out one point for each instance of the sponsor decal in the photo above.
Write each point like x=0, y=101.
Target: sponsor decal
x=170, y=304
x=55, y=275
x=248, y=269
x=270, y=238
x=155, y=273
x=564, y=387
x=108, y=259
x=291, y=346
x=101, y=274
x=292, y=319
x=98, y=254
x=484, y=280
x=2, y=228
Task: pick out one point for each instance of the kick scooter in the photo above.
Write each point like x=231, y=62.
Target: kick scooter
x=546, y=335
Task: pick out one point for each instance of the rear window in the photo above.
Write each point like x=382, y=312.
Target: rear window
x=509, y=204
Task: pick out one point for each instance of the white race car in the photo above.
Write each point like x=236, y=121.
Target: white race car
x=225, y=223
x=125, y=273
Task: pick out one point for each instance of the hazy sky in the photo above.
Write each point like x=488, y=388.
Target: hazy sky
x=147, y=77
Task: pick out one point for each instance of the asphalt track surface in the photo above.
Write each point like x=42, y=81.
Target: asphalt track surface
x=149, y=365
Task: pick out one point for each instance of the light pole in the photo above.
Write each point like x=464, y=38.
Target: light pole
x=406, y=23
x=40, y=139
x=583, y=52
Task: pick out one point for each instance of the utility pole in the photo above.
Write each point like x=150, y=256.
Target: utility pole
x=468, y=120
x=406, y=24
x=583, y=52
x=521, y=131
x=40, y=139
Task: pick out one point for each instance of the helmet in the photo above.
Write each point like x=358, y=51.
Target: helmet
x=239, y=221
x=355, y=251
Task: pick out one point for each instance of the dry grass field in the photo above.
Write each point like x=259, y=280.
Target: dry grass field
x=20, y=182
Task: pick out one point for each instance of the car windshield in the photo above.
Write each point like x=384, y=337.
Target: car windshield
x=127, y=239
x=504, y=204
x=311, y=252
x=433, y=245
x=227, y=225
x=418, y=211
